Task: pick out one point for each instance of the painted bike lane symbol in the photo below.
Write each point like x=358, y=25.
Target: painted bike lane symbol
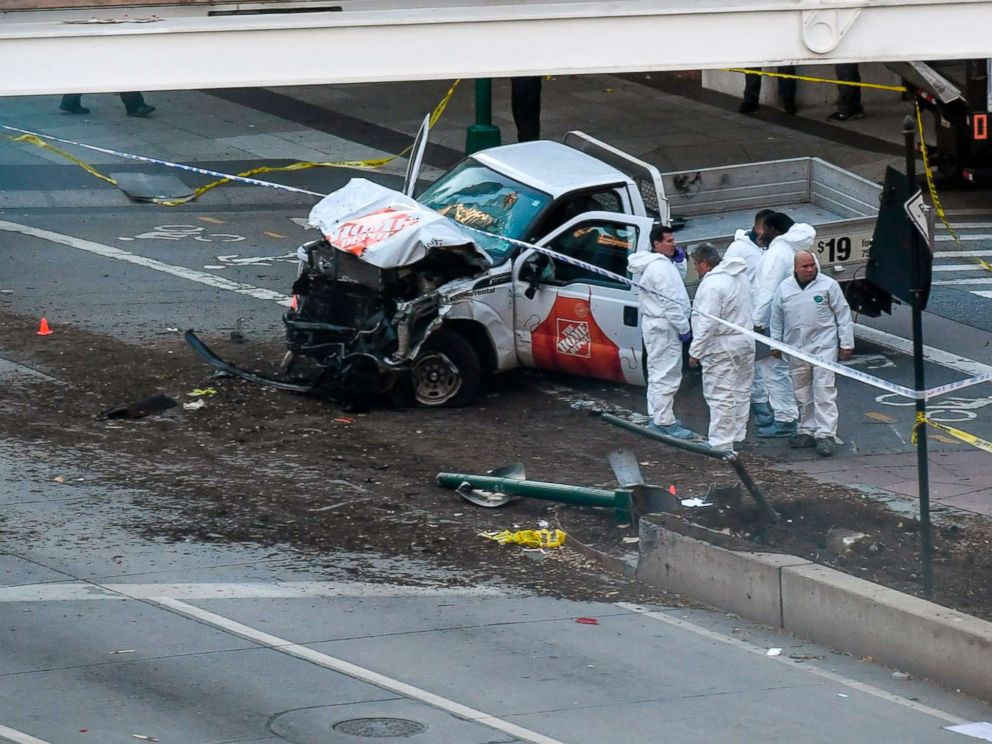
x=185, y=232
x=950, y=410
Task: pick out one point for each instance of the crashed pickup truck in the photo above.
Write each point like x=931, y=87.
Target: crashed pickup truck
x=423, y=298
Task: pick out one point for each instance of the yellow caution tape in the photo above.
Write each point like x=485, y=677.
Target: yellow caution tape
x=964, y=436
x=933, y=191
x=32, y=140
x=528, y=538
x=370, y=164
x=808, y=79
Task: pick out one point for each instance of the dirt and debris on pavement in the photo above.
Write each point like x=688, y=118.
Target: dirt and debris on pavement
x=258, y=465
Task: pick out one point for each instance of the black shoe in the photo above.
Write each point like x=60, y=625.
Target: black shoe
x=142, y=110
x=789, y=106
x=747, y=107
x=845, y=116
x=77, y=109
x=802, y=441
x=825, y=446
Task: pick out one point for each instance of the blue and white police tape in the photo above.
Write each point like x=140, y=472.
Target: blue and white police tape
x=168, y=163
x=792, y=351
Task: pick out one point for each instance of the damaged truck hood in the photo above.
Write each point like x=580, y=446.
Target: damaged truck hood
x=389, y=230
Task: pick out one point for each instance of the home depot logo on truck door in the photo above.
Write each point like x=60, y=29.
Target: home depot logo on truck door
x=360, y=233
x=570, y=340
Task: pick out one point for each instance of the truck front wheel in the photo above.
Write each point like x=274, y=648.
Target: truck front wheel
x=446, y=372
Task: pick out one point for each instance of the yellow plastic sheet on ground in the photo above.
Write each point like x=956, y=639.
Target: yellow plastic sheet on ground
x=528, y=538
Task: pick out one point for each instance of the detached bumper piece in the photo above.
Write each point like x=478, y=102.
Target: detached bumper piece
x=205, y=351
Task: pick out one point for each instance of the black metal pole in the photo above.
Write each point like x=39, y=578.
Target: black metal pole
x=922, y=464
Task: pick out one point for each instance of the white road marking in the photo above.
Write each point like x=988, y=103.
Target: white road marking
x=356, y=672
x=931, y=354
x=18, y=737
x=149, y=263
x=958, y=267
x=987, y=279
x=74, y=592
x=762, y=652
x=955, y=254
x=982, y=293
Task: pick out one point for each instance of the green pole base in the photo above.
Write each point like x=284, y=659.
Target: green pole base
x=481, y=136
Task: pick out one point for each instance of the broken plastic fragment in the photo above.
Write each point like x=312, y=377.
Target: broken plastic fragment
x=587, y=620
x=195, y=405
x=695, y=502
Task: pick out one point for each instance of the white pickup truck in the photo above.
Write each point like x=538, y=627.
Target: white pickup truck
x=394, y=299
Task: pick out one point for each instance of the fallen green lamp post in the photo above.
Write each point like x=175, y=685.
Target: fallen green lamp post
x=629, y=502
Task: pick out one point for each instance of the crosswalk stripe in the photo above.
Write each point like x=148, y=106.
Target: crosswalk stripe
x=946, y=282
x=954, y=254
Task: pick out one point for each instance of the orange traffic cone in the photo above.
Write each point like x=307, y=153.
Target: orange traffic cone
x=43, y=329
x=671, y=490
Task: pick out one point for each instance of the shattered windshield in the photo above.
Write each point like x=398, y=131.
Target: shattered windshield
x=479, y=197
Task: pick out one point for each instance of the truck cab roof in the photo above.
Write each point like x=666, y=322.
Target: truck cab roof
x=551, y=167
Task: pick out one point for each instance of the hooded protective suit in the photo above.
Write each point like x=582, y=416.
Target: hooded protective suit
x=776, y=266
x=662, y=321
x=817, y=319
x=727, y=356
x=746, y=248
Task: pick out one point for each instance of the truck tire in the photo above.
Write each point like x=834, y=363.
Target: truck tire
x=446, y=372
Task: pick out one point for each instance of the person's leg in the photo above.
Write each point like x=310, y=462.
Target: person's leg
x=802, y=380
x=134, y=104
x=525, y=102
x=72, y=103
x=664, y=352
x=849, y=96
x=824, y=403
x=787, y=89
x=742, y=383
x=752, y=94
x=781, y=395
x=718, y=390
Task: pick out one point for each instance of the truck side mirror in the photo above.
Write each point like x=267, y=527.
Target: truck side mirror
x=530, y=272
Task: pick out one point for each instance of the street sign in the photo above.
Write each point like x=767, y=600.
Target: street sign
x=896, y=243
x=917, y=211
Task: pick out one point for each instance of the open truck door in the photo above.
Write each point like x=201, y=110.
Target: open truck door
x=574, y=320
x=416, y=157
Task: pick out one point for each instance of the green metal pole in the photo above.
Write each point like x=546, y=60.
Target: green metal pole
x=482, y=134
x=532, y=489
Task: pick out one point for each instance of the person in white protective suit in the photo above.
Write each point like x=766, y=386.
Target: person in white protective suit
x=726, y=355
x=745, y=245
x=784, y=239
x=665, y=327
x=810, y=312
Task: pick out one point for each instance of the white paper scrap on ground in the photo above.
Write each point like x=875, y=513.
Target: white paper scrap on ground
x=978, y=730
x=695, y=502
x=773, y=652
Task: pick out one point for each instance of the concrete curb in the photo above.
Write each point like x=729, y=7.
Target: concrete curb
x=821, y=604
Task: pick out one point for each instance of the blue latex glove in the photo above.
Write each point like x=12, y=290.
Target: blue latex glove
x=679, y=256
x=685, y=337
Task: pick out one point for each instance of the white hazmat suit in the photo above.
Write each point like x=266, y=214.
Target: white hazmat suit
x=662, y=321
x=776, y=266
x=817, y=319
x=745, y=248
x=727, y=356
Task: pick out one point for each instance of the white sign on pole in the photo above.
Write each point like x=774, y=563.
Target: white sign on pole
x=916, y=209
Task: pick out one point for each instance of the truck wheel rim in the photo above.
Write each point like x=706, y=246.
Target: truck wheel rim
x=435, y=380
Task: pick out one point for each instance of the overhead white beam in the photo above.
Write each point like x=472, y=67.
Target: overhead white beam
x=182, y=48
